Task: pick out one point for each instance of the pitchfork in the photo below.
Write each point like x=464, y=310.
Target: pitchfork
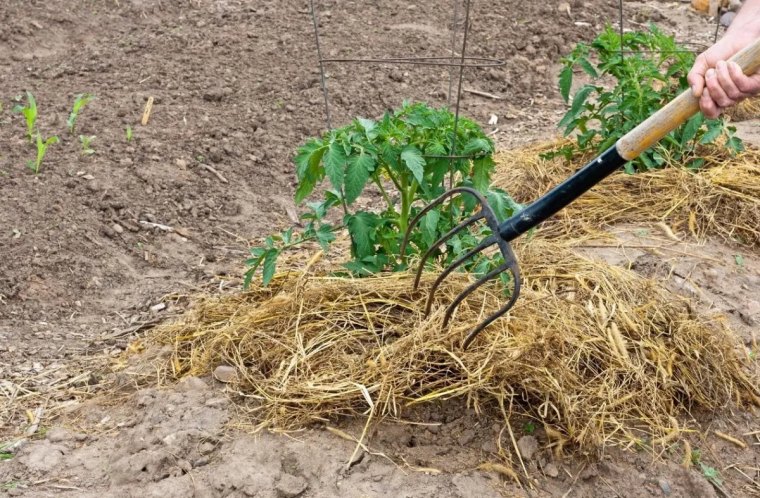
x=627, y=148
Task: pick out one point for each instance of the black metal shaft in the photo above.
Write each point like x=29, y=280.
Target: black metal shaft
x=562, y=195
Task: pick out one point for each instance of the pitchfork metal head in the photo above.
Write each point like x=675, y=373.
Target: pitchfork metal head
x=510, y=262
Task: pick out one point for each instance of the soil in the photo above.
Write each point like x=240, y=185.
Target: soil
x=96, y=248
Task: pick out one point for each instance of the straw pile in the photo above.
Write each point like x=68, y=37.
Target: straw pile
x=722, y=199
x=746, y=109
x=595, y=352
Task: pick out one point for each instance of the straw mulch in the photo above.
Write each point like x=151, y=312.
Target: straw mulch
x=721, y=199
x=596, y=353
x=746, y=109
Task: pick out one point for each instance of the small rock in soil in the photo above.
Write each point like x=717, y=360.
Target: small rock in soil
x=117, y=228
x=590, y=472
x=665, y=487
x=528, y=445
x=551, y=470
x=215, y=155
x=158, y=307
x=727, y=18
x=225, y=373
x=489, y=447
x=291, y=486
x=396, y=76
x=58, y=434
x=215, y=95
x=44, y=457
x=466, y=437
x=206, y=448
x=108, y=232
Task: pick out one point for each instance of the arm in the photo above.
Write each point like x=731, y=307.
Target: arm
x=719, y=84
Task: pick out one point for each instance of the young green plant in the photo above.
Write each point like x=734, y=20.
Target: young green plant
x=42, y=146
x=648, y=70
x=86, y=141
x=29, y=111
x=129, y=133
x=80, y=101
x=404, y=156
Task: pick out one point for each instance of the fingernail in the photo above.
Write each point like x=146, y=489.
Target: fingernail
x=734, y=65
x=710, y=74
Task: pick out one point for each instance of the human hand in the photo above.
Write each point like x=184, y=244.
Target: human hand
x=719, y=84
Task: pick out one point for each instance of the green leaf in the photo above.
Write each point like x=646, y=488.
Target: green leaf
x=358, y=172
x=413, y=159
x=565, y=82
x=430, y=227
x=713, y=132
x=739, y=260
x=270, y=262
x=735, y=145
x=502, y=204
x=481, y=173
x=479, y=145
x=335, y=163
x=691, y=128
x=308, y=169
x=436, y=149
x=361, y=227
x=580, y=98
x=253, y=264
x=308, y=153
x=325, y=236
x=587, y=67
x=696, y=163
x=370, y=128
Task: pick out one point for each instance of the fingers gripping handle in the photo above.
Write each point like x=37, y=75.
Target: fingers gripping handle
x=678, y=111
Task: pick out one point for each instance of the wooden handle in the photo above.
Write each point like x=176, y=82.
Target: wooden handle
x=677, y=111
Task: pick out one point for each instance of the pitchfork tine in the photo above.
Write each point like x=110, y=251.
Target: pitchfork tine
x=485, y=323
x=470, y=289
x=433, y=204
x=469, y=221
x=453, y=266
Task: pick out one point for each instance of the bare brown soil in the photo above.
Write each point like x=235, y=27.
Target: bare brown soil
x=93, y=243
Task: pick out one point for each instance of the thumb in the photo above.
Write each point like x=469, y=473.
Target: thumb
x=696, y=76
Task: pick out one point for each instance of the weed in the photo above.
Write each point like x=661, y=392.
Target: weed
x=696, y=457
x=5, y=451
x=86, y=140
x=651, y=73
x=711, y=474
x=42, y=146
x=129, y=133
x=80, y=101
x=739, y=259
x=29, y=111
x=404, y=156
x=529, y=428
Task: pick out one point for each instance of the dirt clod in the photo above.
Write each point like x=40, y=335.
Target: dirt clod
x=225, y=373
x=551, y=470
x=528, y=446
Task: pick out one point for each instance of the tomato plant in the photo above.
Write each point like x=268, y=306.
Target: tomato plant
x=649, y=73
x=405, y=157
